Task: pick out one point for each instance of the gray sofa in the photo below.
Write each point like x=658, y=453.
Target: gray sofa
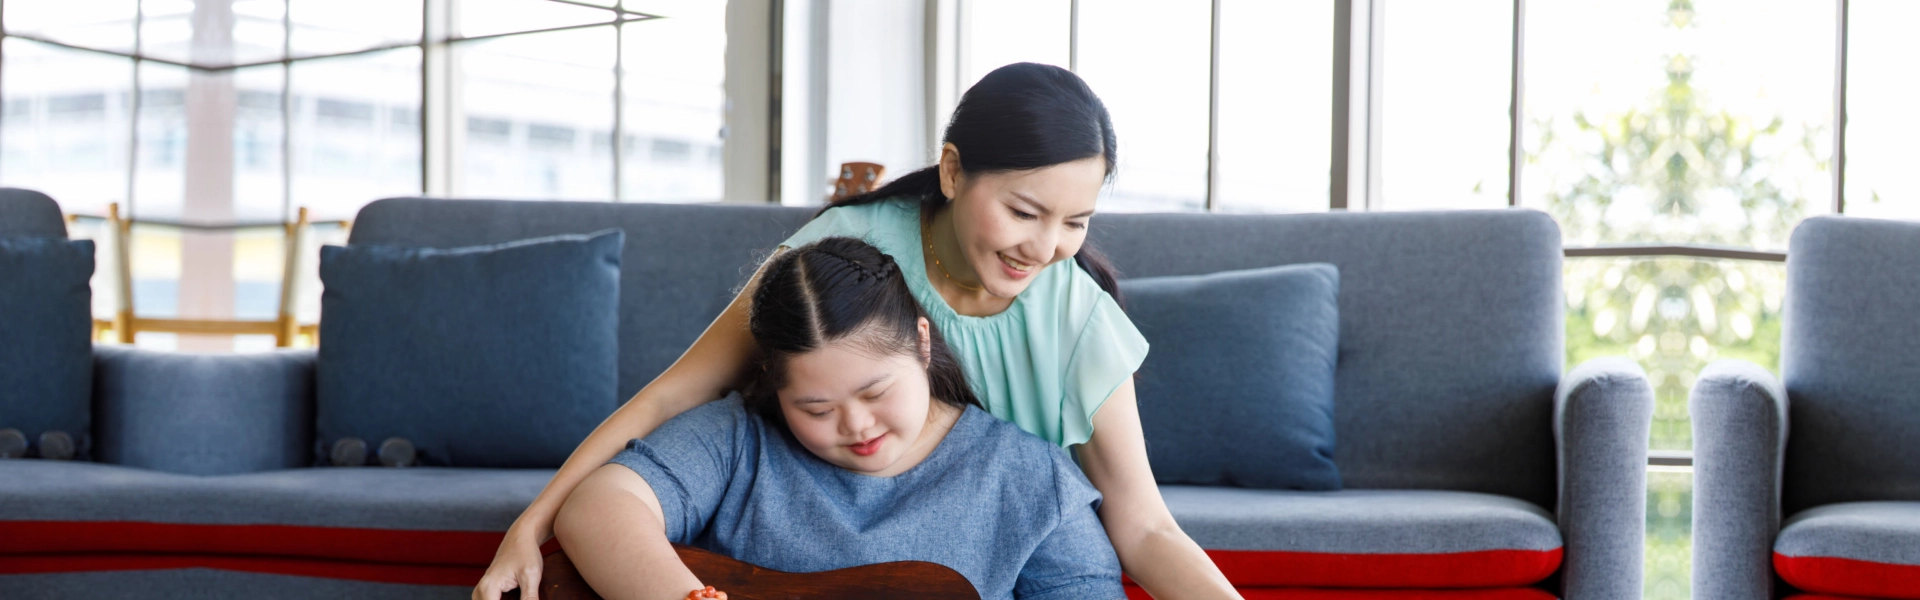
x=1817, y=472
x=1458, y=434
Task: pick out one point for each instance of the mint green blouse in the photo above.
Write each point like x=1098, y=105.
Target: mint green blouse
x=1046, y=363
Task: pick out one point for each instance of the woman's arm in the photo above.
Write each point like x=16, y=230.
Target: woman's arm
x=1152, y=548
x=702, y=374
x=615, y=533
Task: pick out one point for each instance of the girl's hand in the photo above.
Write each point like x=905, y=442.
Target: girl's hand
x=516, y=565
x=706, y=593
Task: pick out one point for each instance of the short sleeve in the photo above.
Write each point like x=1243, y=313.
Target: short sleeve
x=1109, y=350
x=1075, y=560
x=690, y=460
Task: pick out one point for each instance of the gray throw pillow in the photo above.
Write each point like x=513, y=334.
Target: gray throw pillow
x=489, y=356
x=1238, y=389
x=46, y=345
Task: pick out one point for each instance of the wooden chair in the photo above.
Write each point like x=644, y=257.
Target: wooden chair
x=559, y=580
x=126, y=324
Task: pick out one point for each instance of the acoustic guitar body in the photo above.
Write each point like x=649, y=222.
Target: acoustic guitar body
x=559, y=580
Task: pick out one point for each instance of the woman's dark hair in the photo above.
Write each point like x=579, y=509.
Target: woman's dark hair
x=835, y=289
x=1019, y=117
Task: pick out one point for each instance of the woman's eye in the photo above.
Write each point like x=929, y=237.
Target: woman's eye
x=817, y=415
x=1023, y=215
x=1073, y=225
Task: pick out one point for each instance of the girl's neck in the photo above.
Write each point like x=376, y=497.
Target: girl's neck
x=951, y=274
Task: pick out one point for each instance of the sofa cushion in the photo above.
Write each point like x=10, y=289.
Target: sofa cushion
x=426, y=516
x=27, y=213
x=1368, y=538
x=1239, y=387
x=1867, y=549
x=46, y=322
x=487, y=356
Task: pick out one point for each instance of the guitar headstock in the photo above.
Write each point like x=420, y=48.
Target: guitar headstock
x=856, y=178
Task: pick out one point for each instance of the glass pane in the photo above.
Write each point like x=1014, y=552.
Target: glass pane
x=489, y=17
x=103, y=24
x=997, y=33
x=259, y=31
x=1149, y=62
x=1447, y=88
x=166, y=30
x=1669, y=560
x=259, y=193
x=1881, y=122
x=675, y=68
x=65, y=126
x=159, y=179
x=1703, y=122
x=1276, y=103
x=1673, y=316
x=356, y=131
x=332, y=26
x=539, y=116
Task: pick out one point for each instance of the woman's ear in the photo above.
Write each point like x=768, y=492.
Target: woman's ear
x=926, y=343
x=949, y=170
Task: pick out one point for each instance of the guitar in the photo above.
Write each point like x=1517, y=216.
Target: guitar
x=559, y=580
x=856, y=178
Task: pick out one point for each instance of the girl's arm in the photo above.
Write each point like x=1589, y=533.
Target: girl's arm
x=1152, y=548
x=702, y=374
x=615, y=533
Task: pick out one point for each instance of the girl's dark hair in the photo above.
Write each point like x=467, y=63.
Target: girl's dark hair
x=1019, y=117
x=839, y=288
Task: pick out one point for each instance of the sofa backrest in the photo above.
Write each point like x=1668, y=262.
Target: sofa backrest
x=1848, y=360
x=680, y=268
x=27, y=213
x=1451, y=340
x=1451, y=329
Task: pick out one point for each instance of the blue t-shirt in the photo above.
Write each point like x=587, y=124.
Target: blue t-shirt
x=1004, y=508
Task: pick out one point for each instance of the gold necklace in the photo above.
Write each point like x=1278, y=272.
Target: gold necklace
x=926, y=235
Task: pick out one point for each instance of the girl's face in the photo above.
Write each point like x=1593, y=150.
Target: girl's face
x=860, y=412
x=1009, y=225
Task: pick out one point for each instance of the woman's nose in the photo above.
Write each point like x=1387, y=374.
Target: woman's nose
x=855, y=420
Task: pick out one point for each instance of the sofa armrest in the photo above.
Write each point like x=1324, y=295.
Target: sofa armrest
x=203, y=414
x=1602, y=415
x=1739, y=440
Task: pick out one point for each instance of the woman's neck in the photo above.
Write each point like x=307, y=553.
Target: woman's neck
x=952, y=275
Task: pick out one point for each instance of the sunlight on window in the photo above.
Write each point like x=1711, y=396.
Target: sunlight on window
x=1447, y=77
x=1276, y=102
x=1881, y=122
x=1148, y=61
x=997, y=33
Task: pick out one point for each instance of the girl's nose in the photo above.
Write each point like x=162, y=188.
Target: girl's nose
x=855, y=420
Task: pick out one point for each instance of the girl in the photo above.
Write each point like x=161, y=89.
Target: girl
x=983, y=239
x=858, y=442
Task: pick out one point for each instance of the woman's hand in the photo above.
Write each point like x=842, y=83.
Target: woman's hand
x=516, y=565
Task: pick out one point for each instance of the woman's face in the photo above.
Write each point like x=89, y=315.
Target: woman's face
x=1011, y=224
x=860, y=412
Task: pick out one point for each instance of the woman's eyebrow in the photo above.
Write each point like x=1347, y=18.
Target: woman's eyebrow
x=1042, y=209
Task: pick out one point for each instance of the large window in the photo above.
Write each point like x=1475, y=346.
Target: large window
x=1676, y=142
x=211, y=122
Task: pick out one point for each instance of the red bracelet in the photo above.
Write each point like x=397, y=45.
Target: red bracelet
x=706, y=593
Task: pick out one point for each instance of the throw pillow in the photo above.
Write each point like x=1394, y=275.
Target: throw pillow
x=1238, y=389
x=490, y=356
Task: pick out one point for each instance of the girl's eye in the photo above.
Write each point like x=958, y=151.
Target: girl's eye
x=817, y=415
x=1073, y=225
x=1023, y=215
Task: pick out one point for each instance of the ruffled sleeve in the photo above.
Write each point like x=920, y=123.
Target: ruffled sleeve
x=1109, y=350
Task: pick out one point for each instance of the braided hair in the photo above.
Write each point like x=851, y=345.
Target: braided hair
x=835, y=289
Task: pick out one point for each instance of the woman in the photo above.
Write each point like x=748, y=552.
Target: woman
x=857, y=442
x=984, y=238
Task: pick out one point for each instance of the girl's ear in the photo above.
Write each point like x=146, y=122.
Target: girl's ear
x=949, y=170
x=926, y=343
